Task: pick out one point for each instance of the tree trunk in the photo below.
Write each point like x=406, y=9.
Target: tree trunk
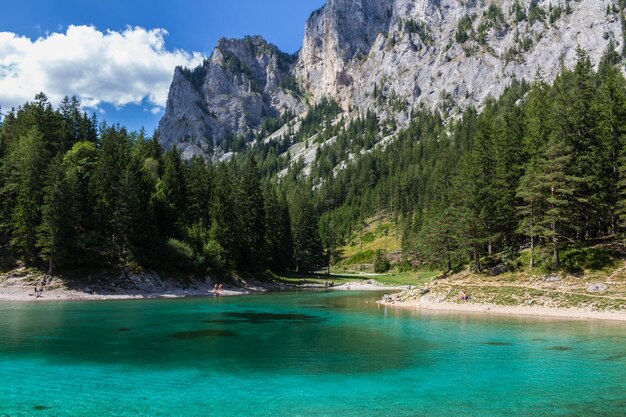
x=477, y=260
x=555, y=249
x=490, y=248
x=449, y=262
x=532, y=252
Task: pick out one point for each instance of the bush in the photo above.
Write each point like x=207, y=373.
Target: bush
x=405, y=266
x=178, y=254
x=214, y=255
x=381, y=264
x=369, y=237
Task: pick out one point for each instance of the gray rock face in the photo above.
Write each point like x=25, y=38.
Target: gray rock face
x=243, y=82
x=388, y=56
x=422, y=54
x=335, y=35
x=597, y=288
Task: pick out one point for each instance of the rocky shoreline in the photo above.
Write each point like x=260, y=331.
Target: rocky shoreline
x=27, y=285
x=460, y=297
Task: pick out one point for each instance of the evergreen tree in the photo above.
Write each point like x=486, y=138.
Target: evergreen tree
x=530, y=192
x=226, y=229
x=610, y=108
x=28, y=166
x=277, y=231
x=560, y=193
x=252, y=209
x=170, y=198
x=107, y=194
x=307, y=247
x=54, y=232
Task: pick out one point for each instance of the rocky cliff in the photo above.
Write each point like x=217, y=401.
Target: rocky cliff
x=243, y=82
x=388, y=56
x=395, y=54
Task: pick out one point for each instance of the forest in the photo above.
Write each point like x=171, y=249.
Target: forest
x=540, y=168
x=76, y=192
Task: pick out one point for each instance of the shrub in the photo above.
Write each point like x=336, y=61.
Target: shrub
x=381, y=264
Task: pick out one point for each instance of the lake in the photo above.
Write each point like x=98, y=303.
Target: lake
x=301, y=354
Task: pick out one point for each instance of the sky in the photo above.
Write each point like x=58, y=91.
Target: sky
x=118, y=56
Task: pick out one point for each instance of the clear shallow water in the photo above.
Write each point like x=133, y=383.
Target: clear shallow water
x=308, y=354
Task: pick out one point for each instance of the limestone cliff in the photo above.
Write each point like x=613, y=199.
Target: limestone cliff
x=388, y=56
x=230, y=94
x=391, y=55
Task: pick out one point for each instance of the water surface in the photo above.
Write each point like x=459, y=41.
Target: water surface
x=307, y=354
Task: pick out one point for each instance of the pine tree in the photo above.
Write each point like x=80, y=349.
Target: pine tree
x=79, y=165
x=28, y=166
x=560, y=193
x=106, y=189
x=530, y=192
x=226, y=229
x=252, y=209
x=170, y=198
x=437, y=237
x=199, y=184
x=611, y=131
x=307, y=247
x=54, y=232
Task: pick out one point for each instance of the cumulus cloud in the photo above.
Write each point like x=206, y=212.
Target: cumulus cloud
x=119, y=68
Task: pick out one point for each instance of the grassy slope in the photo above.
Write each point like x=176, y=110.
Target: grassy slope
x=600, y=262
x=376, y=233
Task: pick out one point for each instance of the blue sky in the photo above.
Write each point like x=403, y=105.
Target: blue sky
x=92, y=48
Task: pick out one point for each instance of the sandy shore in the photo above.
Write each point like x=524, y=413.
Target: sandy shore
x=22, y=289
x=367, y=286
x=508, y=310
x=21, y=294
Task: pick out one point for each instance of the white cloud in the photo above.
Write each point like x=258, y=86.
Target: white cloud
x=118, y=68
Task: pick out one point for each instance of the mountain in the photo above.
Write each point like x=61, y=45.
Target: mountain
x=385, y=56
x=243, y=82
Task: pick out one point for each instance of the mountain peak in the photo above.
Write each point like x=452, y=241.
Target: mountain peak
x=388, y=57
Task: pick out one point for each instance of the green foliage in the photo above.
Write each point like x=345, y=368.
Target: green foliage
x=535, y=13
x=518, y=12
x=177, y=254
x=381, y=264
x=307, y=247
x=464, y=29
x=543, y=165
x=117, y=199
x=420, y=28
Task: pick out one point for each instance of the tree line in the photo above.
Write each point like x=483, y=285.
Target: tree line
x=76, y=192
x=542, y=167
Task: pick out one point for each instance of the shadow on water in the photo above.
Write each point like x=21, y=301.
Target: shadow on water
x=616, y=357
x=267, y=334
x=41, y=408
x=559, y=348
x=498, y=344
x=200, y=334
x=250, y=317
x=261, y=318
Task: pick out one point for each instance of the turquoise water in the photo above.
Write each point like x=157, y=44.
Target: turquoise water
x=303, y=354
